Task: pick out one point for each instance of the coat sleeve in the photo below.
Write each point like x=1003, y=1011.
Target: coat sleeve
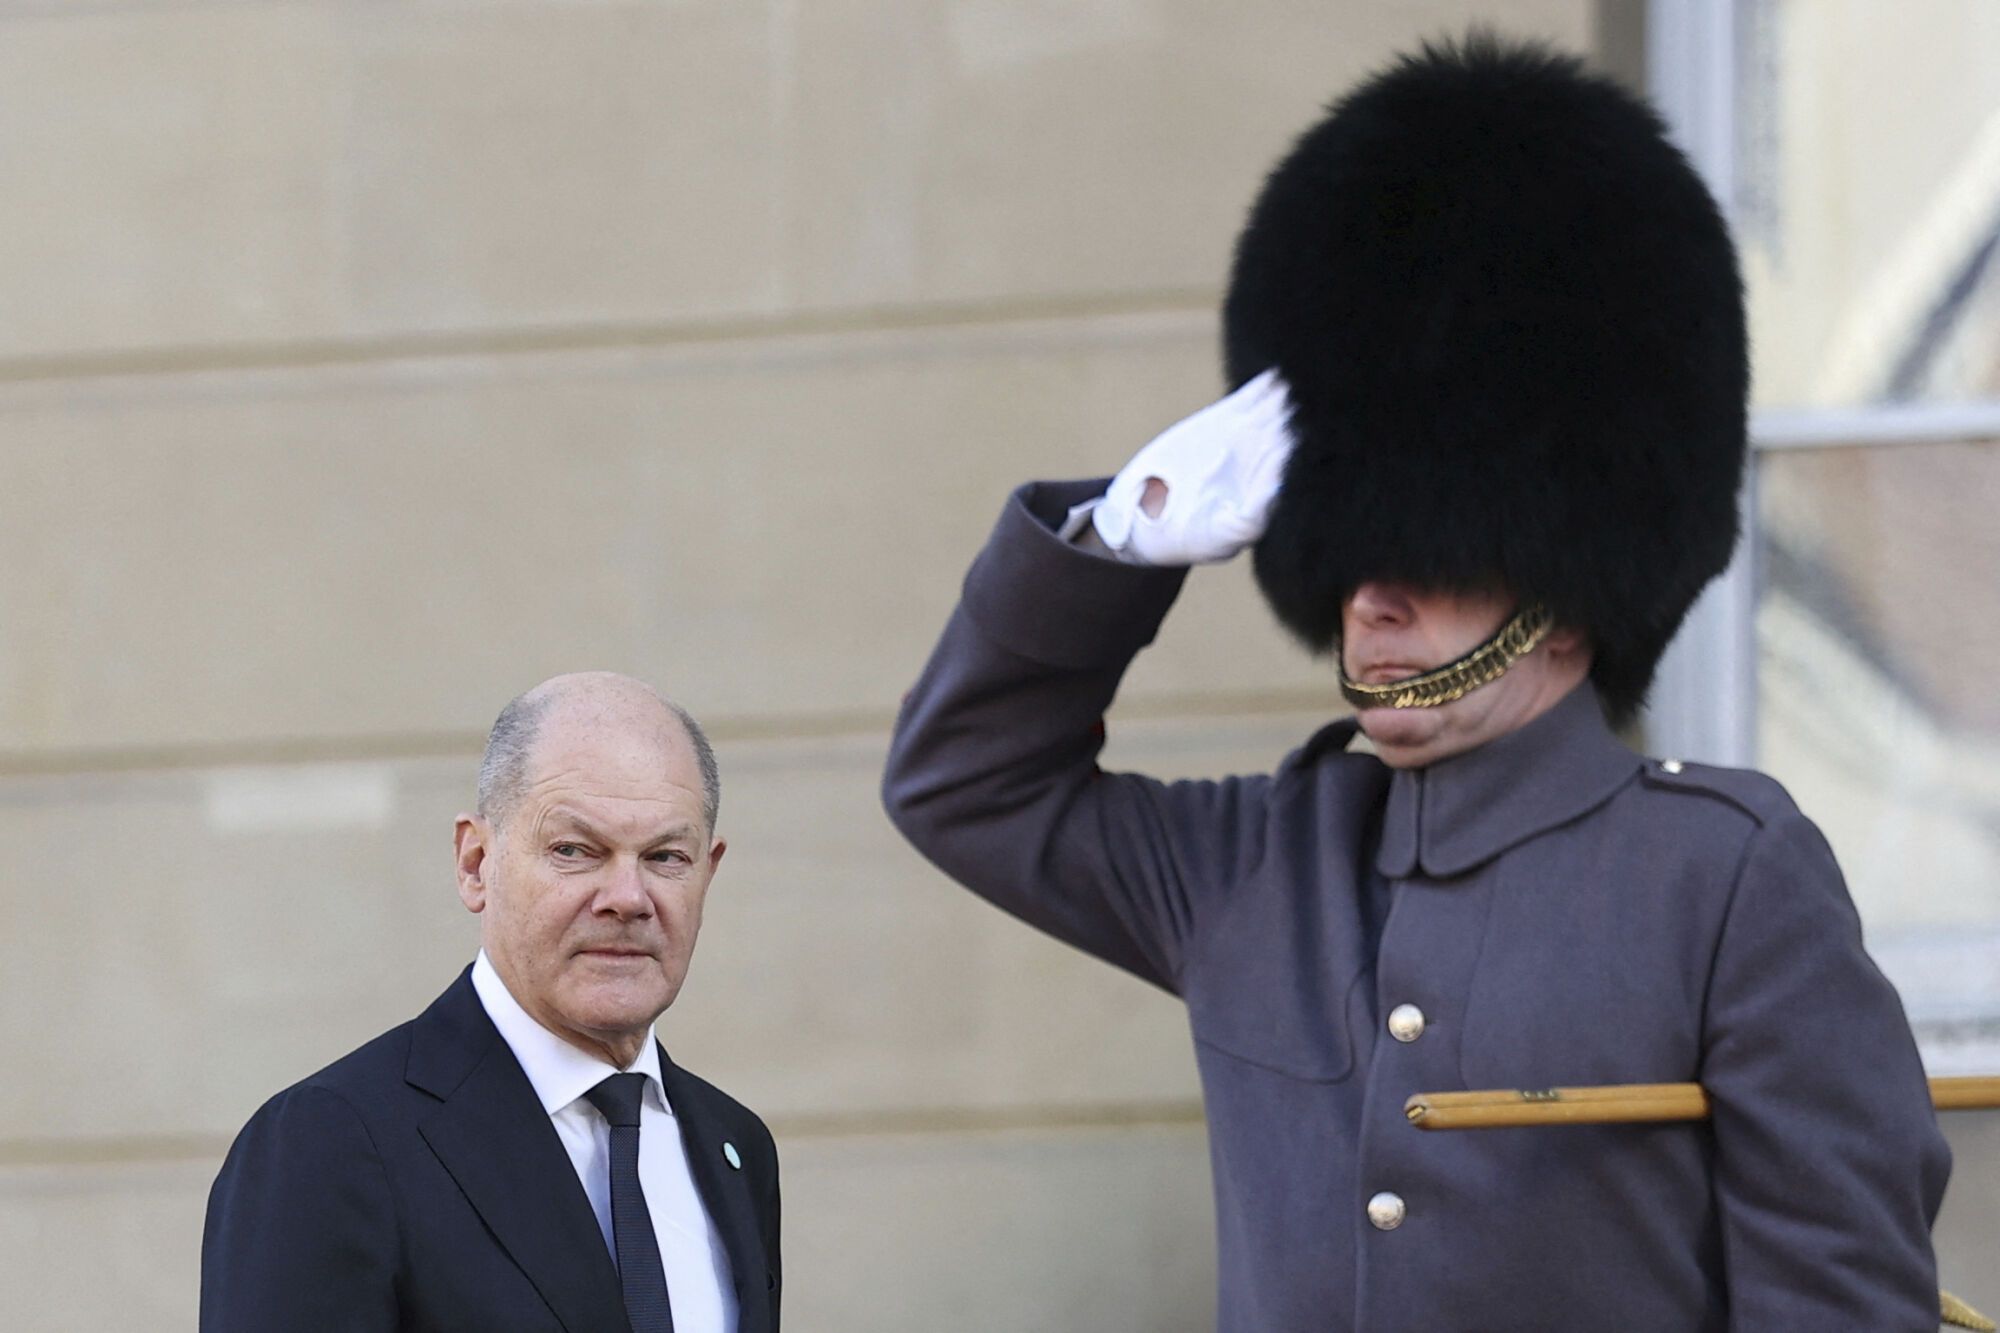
x=1829, y=1163
x=993, y=775
x=301, y=1230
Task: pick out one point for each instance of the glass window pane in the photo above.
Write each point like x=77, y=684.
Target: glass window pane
x=1868, y=199
x=1878, y=630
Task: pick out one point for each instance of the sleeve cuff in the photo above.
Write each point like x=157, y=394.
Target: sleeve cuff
x=1050, y=601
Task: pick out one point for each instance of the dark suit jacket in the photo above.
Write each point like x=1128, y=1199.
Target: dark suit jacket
x=417, y=1184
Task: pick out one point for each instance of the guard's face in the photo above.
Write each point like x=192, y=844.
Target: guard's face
x=1391, y=630
x=590, y=888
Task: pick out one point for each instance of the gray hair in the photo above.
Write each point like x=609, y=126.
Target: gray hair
x=503, y=768
x=704, y=758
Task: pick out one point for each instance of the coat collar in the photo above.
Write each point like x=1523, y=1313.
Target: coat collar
x=491, y=1133
x=1463, y=811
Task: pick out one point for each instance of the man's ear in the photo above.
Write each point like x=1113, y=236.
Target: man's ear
x=472, y=837
x=715, y=854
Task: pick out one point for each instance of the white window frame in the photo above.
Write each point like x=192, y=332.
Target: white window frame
x=1704, y=700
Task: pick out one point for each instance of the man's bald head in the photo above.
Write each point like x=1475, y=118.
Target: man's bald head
x=587, y=697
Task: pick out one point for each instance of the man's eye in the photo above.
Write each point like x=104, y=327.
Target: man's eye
x=672, y=857
x=568, y=851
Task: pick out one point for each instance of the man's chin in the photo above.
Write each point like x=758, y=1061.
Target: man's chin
x=625, y=1004
x=1398, y=725
x=1407, y=737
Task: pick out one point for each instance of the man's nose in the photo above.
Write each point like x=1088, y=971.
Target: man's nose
x=622, y=891
x=1378, y=603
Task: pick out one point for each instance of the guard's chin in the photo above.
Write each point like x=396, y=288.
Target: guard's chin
x=1401, y=736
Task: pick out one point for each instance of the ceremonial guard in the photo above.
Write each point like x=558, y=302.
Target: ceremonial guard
x=1487, y=334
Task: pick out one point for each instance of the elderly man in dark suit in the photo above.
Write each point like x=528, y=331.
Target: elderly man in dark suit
x=523, y=1155
x=1489, y=336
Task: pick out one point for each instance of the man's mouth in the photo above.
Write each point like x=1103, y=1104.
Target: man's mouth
x=1385, y=673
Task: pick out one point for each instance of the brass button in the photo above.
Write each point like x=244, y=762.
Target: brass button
x=1386, y=1210
x=1406, y=1022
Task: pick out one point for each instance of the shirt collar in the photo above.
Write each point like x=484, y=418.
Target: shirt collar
x=1462, y=811
x=558, y=1071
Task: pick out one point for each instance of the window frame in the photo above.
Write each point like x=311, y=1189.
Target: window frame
x=1704, y=698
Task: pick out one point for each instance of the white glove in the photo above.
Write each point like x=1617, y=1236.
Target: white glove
x=1221, y=468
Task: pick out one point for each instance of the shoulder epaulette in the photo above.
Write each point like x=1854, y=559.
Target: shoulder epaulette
x=1757, y=795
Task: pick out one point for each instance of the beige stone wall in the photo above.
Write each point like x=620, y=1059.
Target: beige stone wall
x=364, y=362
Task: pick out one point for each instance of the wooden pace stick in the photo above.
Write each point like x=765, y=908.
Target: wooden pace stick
x=1631, y=1103
x=1966, y=1094
x=1627, y=1103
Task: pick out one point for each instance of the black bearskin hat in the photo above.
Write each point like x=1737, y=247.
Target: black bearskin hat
x=1510, y=317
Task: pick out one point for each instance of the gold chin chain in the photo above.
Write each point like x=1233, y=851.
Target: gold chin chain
x=1454, y=680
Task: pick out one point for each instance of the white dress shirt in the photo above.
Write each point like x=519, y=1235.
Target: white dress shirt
x=699, y=1284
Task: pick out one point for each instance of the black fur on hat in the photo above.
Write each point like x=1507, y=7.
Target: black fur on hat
x=1510, y=317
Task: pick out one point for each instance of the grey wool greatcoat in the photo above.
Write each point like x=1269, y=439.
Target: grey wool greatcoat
x=1561, y=912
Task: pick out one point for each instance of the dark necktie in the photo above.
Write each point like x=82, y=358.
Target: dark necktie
x=640, y=1271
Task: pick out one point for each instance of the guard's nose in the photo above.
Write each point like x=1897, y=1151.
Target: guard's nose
x=1377, y=604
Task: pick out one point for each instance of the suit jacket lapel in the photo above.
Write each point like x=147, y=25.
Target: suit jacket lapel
x=725, y=1192
x=491, y=1134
